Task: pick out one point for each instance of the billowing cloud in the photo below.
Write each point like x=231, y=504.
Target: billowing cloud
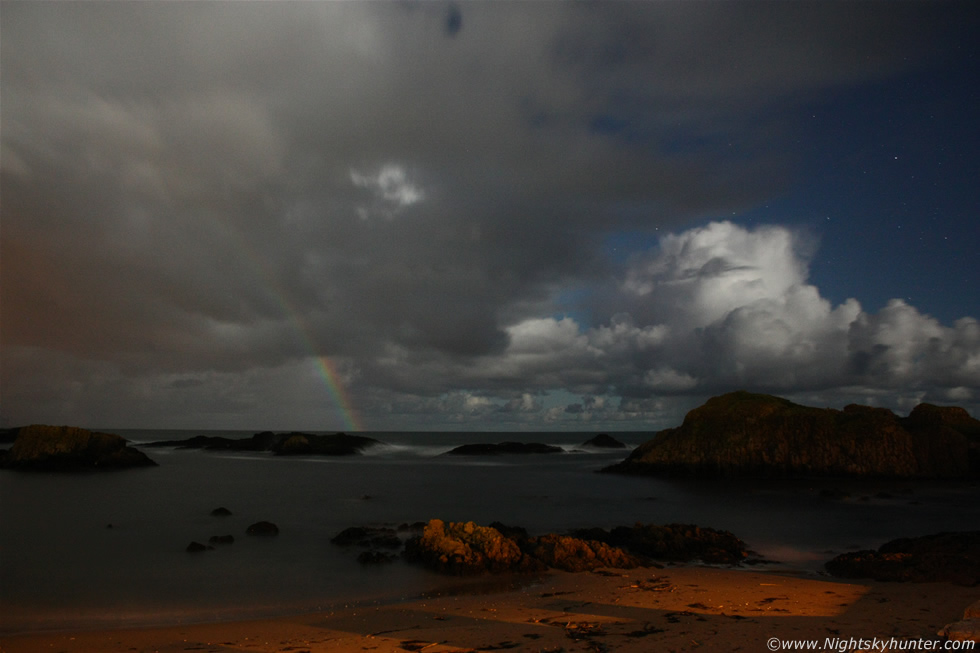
x=201, y=199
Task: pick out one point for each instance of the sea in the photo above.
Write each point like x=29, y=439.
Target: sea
x=108, y=549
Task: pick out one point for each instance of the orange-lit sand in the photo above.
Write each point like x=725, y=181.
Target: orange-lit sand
x=672, y=609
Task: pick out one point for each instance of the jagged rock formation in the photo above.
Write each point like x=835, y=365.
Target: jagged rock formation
x=503, y=448
x=467, y=548
x=282, y=444
x=68, y=448
x=604, y=441
x=949, y=557
x=753, y=434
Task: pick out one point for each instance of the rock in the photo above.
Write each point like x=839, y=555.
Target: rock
x=973, y=611
x=967, y=629
x=741, y=433
x=367, y=536
x=221, y=539
x=463, y=548
x=68, y=448
x=503, y=448
x=196, y=547
x=604, y=441
x=339, y=444
x=221, y=512
x=574, y=554
x=466, y=548
x=673, y=542
x=263, y=528
x=282, y=444
x=943, y=557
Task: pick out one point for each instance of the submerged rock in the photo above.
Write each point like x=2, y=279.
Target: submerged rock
x=221, y=539
x=503, y=448
x=68, y=448
x=949, y=557
x=264, y=528
x=741, y=433
x=604, y=441
x=197, y=547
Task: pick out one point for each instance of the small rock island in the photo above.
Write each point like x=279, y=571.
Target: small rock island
x=746, y=434
x=68, y=448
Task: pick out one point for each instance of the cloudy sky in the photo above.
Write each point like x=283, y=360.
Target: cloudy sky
x=473, y=215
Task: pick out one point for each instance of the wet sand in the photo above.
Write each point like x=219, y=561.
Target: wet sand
x=671, y=609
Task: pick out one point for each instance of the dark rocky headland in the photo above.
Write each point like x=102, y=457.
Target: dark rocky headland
x=68, y=448
x=745, y=434
x=282, y=444
x=485, y=449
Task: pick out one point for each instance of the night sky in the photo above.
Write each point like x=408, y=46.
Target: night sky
x=488, y=216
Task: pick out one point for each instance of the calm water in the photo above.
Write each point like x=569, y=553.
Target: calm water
x=62, y=566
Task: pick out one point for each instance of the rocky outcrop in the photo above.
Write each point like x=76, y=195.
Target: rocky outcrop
x=967, y=629
x=751, y=434
x=282, y=444
x=68, y=448
x=503, y=448
x=673, y=542
x=468, y=548
x=604, y=441
x=949, y=557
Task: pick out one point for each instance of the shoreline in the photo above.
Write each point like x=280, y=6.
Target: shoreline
x=680, y=608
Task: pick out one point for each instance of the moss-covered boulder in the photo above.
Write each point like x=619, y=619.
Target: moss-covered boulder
x=68, y=448
x=742, y=433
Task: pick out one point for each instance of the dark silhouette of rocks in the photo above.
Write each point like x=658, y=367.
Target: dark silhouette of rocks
x=262, y=528
x=604, y=441
x=503, y=448
x=68, y=448
x=943, y=557
x=753, y=434
x=673, y=542
x=282, y=444
x=197, y=547
x=221, y=512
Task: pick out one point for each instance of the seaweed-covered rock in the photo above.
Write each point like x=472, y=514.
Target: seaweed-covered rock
x=574, y=554
x=741, y=433
x=950, y=557
x=464, y=548
x=68, y=448
x=673, y=542
x=482, y=449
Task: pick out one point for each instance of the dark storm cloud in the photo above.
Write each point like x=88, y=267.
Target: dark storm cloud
x=199, y=197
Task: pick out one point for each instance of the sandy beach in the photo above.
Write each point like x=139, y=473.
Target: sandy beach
x=683, y=608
